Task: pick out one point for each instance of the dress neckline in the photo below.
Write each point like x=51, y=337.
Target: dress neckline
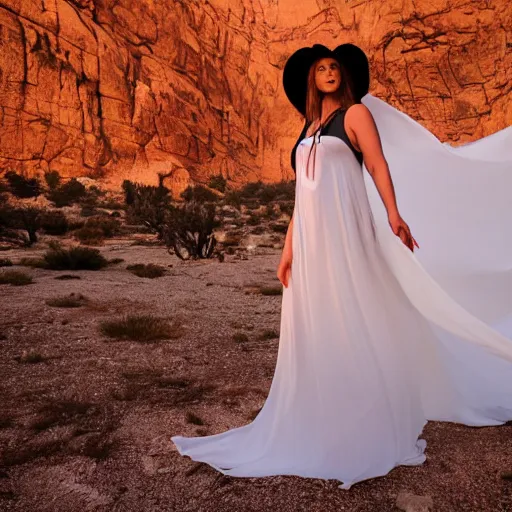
x=326, y=123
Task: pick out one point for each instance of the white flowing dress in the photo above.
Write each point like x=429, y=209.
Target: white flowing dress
x=371, y=343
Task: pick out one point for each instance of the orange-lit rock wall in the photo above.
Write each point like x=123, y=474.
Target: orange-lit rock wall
x=117, y=89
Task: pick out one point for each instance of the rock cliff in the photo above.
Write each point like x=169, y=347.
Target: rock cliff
x=116, y=89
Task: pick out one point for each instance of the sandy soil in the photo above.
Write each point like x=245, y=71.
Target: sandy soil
x=89, y=426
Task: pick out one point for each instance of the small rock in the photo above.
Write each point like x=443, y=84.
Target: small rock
x=409, y=502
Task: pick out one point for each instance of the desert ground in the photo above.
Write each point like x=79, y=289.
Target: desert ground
x=87, y=415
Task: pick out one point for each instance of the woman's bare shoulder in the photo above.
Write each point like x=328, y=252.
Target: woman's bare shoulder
x=359, y=116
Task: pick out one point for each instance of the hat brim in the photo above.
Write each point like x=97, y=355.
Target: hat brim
x=296, y=69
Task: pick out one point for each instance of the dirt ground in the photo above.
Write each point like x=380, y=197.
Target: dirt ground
x=87, y=425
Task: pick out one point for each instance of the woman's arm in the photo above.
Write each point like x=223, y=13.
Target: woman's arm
x=360, y=121
x=287, y=249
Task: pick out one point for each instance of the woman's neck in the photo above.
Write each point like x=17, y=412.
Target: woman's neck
x=329, y=105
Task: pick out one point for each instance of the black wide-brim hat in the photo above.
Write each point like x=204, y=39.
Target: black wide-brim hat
x=296, y=69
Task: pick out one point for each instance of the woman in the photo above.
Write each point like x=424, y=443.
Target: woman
x=370, y=348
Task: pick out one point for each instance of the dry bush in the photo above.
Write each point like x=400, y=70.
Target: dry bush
x=149, y=271
x=67, y=194
x=68, y=301
x=115, y=261
x=15, y=278
x=13, y=220
x=5, y=262
x=188, y=230
x=271, y=290
x=30, y=356
x=23, y=187
x=59, y=413
x=75, y=258
x=193, y=418
x=6, y=421
x=268, y=334
x=240, y=337
x=89, y=236
x=200, y=194
x=109, y=226
x=67, y=277
x=54, y=222
x=142, y=328
x=32, y=262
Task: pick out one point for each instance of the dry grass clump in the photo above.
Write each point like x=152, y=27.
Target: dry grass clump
x=240, y=337
x=268, y=334
x=150, y=271
x=67, y=277
x=194, y=418
x=60, y=413
x=91, y=425
x=96, y=228
x=32, y=262
x=73, y=300
x=74, y=258
x=6, y=421
x=30, y=356
x=141, y=328
x=89, y=236
x=15, y=278
x=271, y=290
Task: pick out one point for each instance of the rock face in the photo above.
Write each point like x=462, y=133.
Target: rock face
x=117, y=89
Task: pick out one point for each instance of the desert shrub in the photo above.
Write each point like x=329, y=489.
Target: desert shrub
x=111, y=204
x=107, y=225
x=287, y=207
x=30, y=356
x=188, y=230
x=72, y=300
x=96, y=229
x=259, y=192
x=75, y=258
x=279, y=228
x=234, y=198
x=15, y=278
x=268, y=334
x=254, y=220
x=129, y=190
x=193, y=418
x=5, y=262
x=32, y=262
x=52, y=179
x=115, y=261
x=150, y=270
x=68, y=193
x=88, y=210
x=148, y=205
x=240, y=337
x=13, y=220
x=23, y=187
x=141, y=328
x=199, y=193
x=218, y=182
x=271, y=290
x=89, y=236
x=54, y=222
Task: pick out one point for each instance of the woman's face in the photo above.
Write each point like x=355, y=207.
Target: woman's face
x=328, y=75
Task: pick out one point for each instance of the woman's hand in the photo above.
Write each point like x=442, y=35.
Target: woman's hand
x=285, y=267
x=401, y=229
